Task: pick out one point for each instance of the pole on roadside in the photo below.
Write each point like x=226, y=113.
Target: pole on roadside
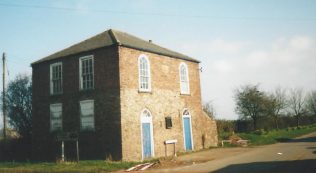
x=3, y=98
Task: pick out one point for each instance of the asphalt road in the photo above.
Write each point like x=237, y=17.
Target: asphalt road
x=297, y=155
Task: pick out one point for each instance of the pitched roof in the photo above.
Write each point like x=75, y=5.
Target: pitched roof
x=115, y=37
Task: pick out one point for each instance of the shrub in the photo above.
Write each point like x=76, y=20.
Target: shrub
x=259, y=132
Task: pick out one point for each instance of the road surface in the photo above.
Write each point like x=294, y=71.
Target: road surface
x=297, y=155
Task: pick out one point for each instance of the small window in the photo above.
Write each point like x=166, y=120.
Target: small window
x=56, y=78
x=168, y=122
x=184, y=79
x=87, y=115
x=56, y=117
x=144, y=73
x=86, y=72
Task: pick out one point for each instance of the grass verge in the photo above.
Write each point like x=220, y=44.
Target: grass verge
x=274, y=136
x=67, y=167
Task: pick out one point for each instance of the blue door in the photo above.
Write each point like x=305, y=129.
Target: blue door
x=187, y=133
x=146, y=140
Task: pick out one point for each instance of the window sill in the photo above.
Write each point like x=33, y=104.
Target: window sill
x=55, y=131
x=145, y=91
x=87, y=130
x=185, y=94
x=56, y=94
x=83, y=90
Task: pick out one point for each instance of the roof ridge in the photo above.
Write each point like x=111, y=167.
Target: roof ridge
x=146, y=41
x=113, y=36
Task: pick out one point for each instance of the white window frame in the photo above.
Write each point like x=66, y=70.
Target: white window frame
x=139, y=74
x=144, y=119
x=50, y=116
x=182, y=64
x=80, y=72
x=81, y=127
x=51, y=77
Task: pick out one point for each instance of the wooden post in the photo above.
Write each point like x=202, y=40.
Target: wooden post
x=77, y=146
x=62, y=151
x=174, y=149
x=165, y=150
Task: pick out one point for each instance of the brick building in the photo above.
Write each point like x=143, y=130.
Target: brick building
x=124, y=97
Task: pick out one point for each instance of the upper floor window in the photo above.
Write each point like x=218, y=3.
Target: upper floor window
x=144, y=73
x=87, y=115
x=86, y=67
x=184, y=79
x=56, y=85
x=56, y=117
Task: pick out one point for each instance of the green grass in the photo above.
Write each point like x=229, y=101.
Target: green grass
x=275, y=136
x=67, y=167
x=256, y=138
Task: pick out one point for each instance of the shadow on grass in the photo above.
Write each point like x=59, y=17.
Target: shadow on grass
x=307, y=139
x=296, y=166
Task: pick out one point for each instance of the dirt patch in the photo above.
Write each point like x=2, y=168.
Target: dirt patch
x=198, y=157
x=176, y=161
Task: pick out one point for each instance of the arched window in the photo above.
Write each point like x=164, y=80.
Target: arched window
x=144, y=73
x=146, y=116
x=186, y=113
x=184, y=79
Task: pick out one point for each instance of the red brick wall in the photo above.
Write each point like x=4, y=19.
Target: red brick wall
x=104, y=141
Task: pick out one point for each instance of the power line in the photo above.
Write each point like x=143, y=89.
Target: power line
x=155, y=14
x=14, y=61
x=18, y=60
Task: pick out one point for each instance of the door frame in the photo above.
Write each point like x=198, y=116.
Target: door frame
x=146, y=120
x=183, y=128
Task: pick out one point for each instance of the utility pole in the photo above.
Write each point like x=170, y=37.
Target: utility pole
x=3, y=99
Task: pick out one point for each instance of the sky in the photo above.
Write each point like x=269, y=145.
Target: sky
x=271, y=43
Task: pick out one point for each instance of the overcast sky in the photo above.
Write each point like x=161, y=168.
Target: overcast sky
x=271, y=42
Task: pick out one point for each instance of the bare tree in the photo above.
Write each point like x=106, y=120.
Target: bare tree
x=311, y=103
x=250, y=103
x=276, y=102
x=209, y=109
x=296, y=103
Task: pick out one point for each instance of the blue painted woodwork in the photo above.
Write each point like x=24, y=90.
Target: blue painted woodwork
x=146, y=140
x=187, y=133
